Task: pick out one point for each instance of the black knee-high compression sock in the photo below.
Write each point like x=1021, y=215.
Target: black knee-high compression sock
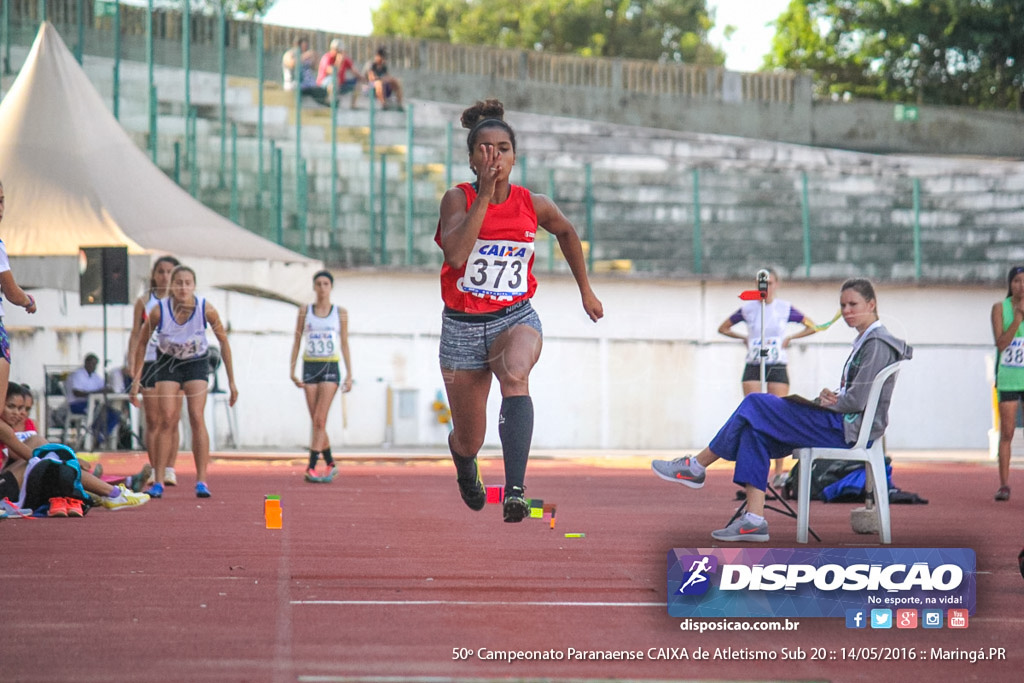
x=328, y=458
x=465, y=468
x=515, y=429
x=313, y=457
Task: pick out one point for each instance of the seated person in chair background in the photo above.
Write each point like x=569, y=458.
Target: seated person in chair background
x=765, y=427
x=384, y=84
x=334, y=66
x=297, y=67
x=80, y=385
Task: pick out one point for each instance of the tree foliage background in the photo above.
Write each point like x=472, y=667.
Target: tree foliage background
x=664, y=30
x=954, y=52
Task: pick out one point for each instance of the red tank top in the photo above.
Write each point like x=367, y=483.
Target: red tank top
x=499, y=270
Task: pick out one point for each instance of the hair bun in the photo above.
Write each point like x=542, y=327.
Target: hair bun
x=488, y=109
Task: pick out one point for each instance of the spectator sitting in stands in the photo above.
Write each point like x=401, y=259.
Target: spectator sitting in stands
x=80, y=385
x=13, y=471
x=338, y=64
x=384, y=84
x=304, y=58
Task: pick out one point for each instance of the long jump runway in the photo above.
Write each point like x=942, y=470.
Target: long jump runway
x=385, y=575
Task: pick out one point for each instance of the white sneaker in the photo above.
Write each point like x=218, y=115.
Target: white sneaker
x=170, y=478
x=123, y=499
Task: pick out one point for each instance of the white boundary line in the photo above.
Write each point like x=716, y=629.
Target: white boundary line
x=481, y=603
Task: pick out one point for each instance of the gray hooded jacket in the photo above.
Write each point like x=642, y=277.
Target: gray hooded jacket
x=878, y=350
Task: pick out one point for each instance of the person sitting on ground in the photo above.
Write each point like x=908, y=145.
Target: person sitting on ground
x=334, y=66
x=81, y=384
x=384, y=84
x=12, y=473
x=303, y=58
x=765, y=427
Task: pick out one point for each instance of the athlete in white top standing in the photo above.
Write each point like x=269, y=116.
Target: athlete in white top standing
x=777, y=315
x=159, y=288
x=182, y=362
x=325, y=329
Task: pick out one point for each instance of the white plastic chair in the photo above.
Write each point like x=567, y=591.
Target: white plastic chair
x=873, y=458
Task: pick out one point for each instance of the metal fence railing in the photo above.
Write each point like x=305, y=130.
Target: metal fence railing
x=682, y=219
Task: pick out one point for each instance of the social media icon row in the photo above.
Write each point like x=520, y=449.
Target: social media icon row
x=905, y=618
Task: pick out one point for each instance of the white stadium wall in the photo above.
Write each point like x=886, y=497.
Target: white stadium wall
x=654, y=374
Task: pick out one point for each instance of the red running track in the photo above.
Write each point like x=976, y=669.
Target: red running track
x=385, y=572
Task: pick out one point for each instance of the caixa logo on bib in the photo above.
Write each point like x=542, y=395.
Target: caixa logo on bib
x=825, y=582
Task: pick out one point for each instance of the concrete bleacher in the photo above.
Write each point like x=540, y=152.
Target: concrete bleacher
x=860, y=207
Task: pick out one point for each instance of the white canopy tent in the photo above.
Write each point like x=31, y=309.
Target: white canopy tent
x=73, y=178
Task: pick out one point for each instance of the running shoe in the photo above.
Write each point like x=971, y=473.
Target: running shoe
x=170, y=478
x=332, y=472
x=472, y=490
x=123, y=498
x=1003, y=493
x=137, y=482
x=58, y=508
x=680, y=471
x=155, y=491
x=311, y=475
x=74, y=507
x=202, y=490
x=516, y=507
x=11, y=510
x=743, y=530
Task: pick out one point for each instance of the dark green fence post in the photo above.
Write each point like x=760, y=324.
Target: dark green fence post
x=805, y=216
x=191, y=152
x=298, y=136
x=234, y=172
x=186, y=53
x=259, y=122
x=698, y=235
x=409, y=191
x=149, y=73
x=334, y=169
x=177, y=163
x=152, y=123
x=302, y=206
x=383, y=209
x=80, y=20
x=5, y=27
x=917, y=228
x=551, y=240
x=373, y=183
x=222, y=63
x=279, y=194
x=589, y=207
x=117, y=60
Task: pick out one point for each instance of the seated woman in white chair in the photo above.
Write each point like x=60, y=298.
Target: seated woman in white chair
x=765, y=427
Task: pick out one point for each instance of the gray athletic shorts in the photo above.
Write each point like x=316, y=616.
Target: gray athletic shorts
x=466, y=339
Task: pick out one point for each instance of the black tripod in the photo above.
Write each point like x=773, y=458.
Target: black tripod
x=761, y=294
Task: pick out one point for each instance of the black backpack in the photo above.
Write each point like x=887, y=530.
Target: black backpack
x=823, y=473
x=53, y=472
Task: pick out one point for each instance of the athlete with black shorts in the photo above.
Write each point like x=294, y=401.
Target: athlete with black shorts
x=324, y=327
x=179, y=323
x=1007, y=316
x=159, y=288
x=777, y=315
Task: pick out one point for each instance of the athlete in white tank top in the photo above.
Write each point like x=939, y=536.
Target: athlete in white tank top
x=186, y=340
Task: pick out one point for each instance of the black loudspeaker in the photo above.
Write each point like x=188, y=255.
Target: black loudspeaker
x=103, y=275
